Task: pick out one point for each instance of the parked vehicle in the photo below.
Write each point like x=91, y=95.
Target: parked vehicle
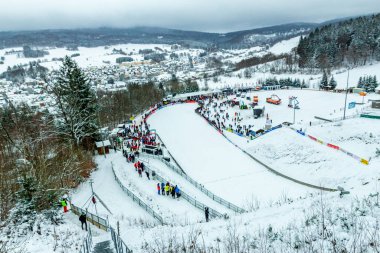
x=274, y=99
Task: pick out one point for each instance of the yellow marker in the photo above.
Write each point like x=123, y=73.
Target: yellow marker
x=364, y=161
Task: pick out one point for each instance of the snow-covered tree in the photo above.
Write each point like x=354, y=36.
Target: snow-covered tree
x=76, y=103
x=332, y=83
x=324, y=82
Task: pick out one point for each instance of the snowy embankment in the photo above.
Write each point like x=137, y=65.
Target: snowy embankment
x=217, y=164
x=161, y=169
x=173, y=211
x=123, y=209
x=301, y=158
x=285, y=46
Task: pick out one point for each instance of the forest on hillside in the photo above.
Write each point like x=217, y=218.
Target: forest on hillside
x=350, y=43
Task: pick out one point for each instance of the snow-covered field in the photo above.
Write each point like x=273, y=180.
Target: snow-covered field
x=94, y=56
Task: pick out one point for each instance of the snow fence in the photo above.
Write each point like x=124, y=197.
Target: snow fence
x=188, y=198
x=87, y=243
x=211, y=195
x=136, y=199
x=120, y=246
x=263, y=164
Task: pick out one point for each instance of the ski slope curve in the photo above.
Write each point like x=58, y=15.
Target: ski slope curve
x=216, y=163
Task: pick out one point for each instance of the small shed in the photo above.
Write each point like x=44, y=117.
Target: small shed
x=103, y=147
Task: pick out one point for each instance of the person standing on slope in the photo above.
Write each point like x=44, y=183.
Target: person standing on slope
x=172, y=191
x=83, y=220
x=177, y=191
x=158, y=189
x=163, y=188
x=64, y=205
x=207, y=213
x=167, y=188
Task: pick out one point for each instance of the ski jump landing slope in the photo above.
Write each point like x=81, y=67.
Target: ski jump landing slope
x=208, y=157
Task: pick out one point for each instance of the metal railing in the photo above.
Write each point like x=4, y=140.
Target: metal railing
x=90, y=217
x=120, y=246
x=213, y=213
x=137, y=199
x=214, y=197
x=174, y=160
x=87, y=243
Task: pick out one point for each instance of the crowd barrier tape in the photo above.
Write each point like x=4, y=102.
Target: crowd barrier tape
x=137, y=199
x=333, y=146
x=266, y=166
x=187, y=197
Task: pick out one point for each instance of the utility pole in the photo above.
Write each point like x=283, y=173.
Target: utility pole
x=345, y=100
x=93, y=195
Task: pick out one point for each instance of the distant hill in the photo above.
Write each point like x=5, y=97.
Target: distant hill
x=111, y=36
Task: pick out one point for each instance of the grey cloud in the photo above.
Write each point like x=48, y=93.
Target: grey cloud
x=203, y=15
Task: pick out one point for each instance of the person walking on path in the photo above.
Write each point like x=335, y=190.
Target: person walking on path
x=163, y=188
x=207, y=213
x=177, y=191
x=83, y=220
x=158, y=189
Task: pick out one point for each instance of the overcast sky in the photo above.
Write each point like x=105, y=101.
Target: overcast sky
x=201, y=15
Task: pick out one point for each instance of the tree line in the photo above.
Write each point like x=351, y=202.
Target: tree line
x=353, y=42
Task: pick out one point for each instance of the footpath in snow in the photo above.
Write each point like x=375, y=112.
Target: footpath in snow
x=222, y=168
x=164, y=171
x=122, y=207
x=173, y=211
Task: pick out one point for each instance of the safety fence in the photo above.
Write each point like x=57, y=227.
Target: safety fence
x=174, y=160
x=266, y=166
x=120, y=246
x=87, y=243
x=333, y=146
x=214, y=197
x=136, y=199
x=92, y=218
x=213, y=213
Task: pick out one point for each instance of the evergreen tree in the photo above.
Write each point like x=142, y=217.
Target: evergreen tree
x=332, y=83
x=324, y=82
x=360, y=82
x=76, y=103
